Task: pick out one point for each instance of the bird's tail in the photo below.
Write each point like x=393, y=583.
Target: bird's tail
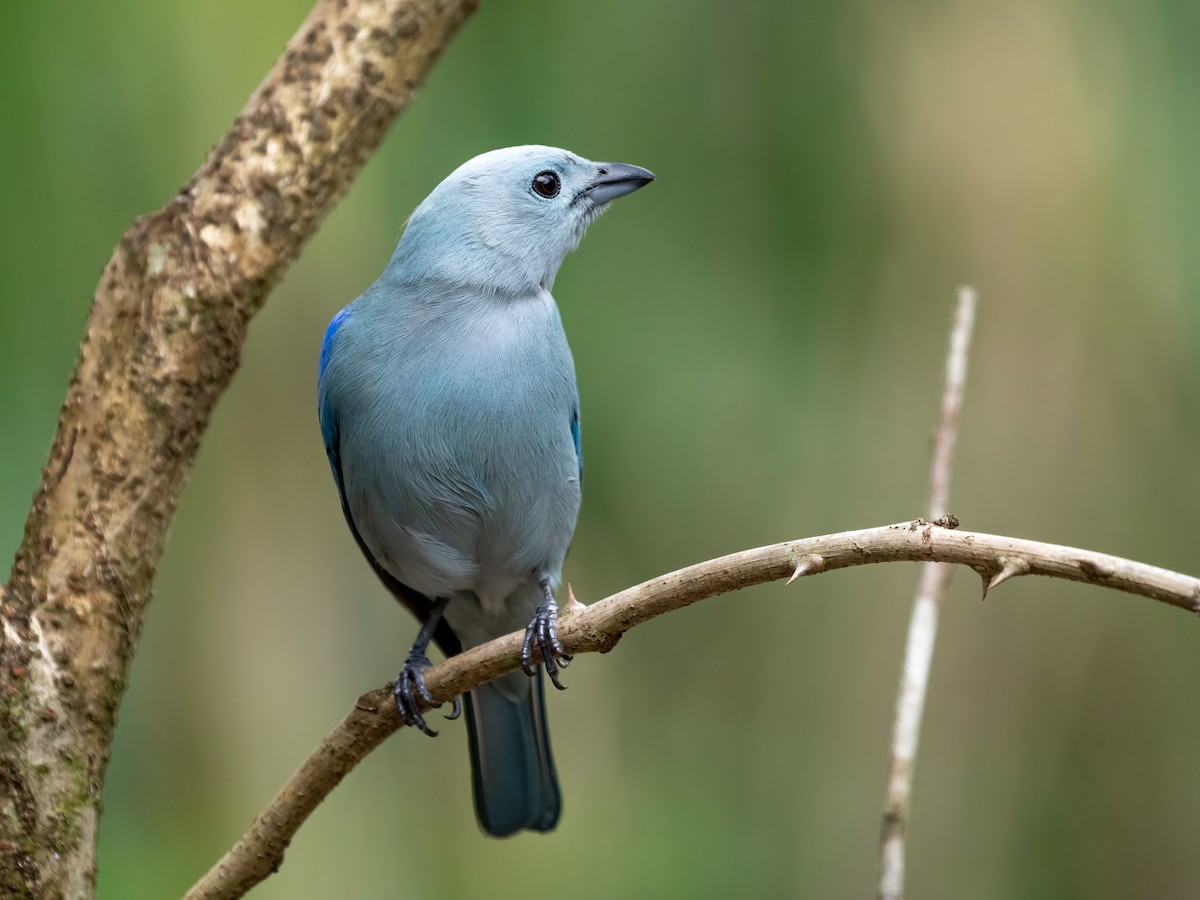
x=512, y=768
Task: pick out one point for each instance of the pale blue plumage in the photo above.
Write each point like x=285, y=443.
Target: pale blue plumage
x=450, y=415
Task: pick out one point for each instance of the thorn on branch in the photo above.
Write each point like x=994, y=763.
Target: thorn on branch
x=600, y=641
x=808, y=565
x=1010, y=567
x=572, y=605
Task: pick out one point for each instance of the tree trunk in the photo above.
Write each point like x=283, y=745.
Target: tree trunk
x=163, y=339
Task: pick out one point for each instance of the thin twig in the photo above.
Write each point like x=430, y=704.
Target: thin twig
x=922, y=627
x=599, y=626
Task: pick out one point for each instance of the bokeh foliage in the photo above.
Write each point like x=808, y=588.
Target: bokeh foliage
x=759, y=339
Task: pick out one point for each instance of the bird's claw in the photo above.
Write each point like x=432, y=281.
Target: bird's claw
x=411, y=692
x=543, y=632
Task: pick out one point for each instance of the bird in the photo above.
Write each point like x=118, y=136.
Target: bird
x=449, y=412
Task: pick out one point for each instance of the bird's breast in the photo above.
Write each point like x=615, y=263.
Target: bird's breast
x=464, y=450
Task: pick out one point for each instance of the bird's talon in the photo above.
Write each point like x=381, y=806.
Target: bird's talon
x=457, y=710
x=528, y=666
x=411, y=691
x=543, y=631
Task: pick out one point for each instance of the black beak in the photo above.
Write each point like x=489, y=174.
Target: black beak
x=615, y=180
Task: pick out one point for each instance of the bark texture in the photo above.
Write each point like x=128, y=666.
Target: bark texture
x=163, y=339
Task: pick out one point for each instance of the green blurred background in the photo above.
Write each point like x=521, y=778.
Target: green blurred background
x=759, y=341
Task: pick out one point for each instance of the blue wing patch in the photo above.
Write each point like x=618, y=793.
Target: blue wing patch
x=327, y=418
x=576, y=439
x=327, y=342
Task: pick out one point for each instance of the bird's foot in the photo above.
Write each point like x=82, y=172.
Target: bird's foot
x=411, y=691
x=543, y=632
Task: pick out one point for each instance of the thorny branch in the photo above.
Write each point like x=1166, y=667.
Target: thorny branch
x=598, y=627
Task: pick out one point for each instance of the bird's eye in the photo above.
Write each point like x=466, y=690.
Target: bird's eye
x=546, y=184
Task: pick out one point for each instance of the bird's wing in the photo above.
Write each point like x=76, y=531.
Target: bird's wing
x=417, y=603
x=575, y=437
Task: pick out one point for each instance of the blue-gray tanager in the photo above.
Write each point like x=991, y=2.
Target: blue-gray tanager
x=448, y=405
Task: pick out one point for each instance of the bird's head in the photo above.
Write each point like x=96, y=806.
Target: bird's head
x=504, y=221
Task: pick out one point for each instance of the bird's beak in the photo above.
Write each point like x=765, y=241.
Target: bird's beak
x=615, y=180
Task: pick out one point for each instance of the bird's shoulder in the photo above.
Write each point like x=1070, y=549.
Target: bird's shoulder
x=327, y=342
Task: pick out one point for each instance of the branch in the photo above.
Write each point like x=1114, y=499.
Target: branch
x=598, y=627
x=922, y=626
x=163, y=339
